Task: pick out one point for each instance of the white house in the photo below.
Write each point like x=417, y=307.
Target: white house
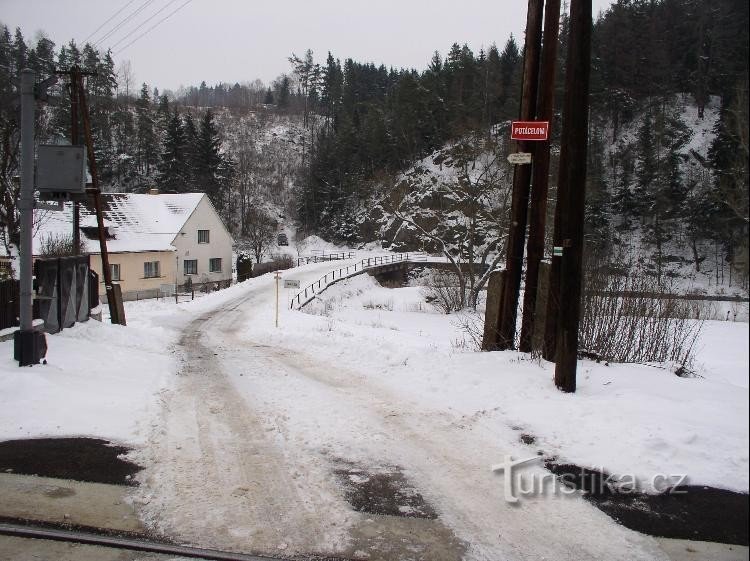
x=152, y=240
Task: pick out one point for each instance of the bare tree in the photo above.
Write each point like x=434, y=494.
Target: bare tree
x=126, y=76
x=59, y=245
x=474, y=219
x=260, y=230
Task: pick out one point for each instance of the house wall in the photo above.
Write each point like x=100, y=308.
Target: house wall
x=204, y=217
x=132, y=281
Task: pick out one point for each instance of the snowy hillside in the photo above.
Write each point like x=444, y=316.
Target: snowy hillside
x=650, y=198
x=268, y=150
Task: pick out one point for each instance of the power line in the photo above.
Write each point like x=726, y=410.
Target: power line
x=155, y=25
x=123, y=22
x=140, y=25
x=107, y=21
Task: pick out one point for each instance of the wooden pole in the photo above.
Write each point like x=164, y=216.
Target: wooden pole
x=521, y=182
x=540, y=173
x=116, y=313
x=277, y=276
x=573, y=177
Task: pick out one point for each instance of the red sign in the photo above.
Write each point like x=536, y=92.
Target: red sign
x=529, y=130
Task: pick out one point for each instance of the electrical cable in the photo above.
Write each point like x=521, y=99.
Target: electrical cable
x=155, y=25
x=140, y=25
x=106, y=22
x=123, y=22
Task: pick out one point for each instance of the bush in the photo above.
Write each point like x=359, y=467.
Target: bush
x=278, y=264
x=631, y=318
x=444, y=292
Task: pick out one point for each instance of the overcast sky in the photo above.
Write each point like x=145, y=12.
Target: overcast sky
x=241, y=40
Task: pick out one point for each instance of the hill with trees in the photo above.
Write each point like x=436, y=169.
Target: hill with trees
x=331, y=143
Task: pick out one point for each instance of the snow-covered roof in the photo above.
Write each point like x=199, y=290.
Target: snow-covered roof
x=134, y=222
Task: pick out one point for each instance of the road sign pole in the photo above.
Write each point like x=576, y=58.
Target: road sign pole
x=521, y=182
x=540, y=175
x=277, y=276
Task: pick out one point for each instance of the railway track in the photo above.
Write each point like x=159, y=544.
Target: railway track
x=135, y=544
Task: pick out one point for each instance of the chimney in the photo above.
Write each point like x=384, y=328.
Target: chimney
x=153, y=191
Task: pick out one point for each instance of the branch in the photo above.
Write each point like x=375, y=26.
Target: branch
x=483, y=279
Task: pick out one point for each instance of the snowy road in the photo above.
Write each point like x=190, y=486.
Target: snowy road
x=254, y=439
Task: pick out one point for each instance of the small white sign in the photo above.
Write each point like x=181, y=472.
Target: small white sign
x=557, y=251
x=519, y=158
x=288, y=283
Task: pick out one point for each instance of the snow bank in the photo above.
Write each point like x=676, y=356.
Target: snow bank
x=101, y=380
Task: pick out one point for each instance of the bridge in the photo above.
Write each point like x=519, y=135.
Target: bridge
x=384, y=268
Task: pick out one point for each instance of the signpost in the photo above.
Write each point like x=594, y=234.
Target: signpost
x=289, y=283
x=277, y=276
x=529, y=130
x=519, y=158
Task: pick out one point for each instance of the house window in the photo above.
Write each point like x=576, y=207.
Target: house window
x=191, y=266
x=115, y=271
x=151, y=269
x=214, y=265
x=203, y=236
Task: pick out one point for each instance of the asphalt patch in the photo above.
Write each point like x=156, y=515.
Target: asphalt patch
x=689, y=512
x=384, y=491
x=80, y=459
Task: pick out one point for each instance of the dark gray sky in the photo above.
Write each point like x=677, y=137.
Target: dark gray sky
x=241, y=40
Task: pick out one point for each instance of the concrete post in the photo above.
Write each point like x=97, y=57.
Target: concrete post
x=26, y=201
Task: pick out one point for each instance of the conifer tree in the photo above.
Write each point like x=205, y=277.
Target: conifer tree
x=209, y=163
x=147, y=140
x=173, y=169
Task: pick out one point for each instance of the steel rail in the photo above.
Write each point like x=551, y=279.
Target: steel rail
x=129, y=543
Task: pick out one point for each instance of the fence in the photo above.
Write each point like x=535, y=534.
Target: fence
x=340, y=256
x=303, y=297
x=162, y=292
x=9, y=309
x=63, y=291
x=63, y=294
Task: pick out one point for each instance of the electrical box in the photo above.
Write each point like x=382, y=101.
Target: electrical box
x=61, y=173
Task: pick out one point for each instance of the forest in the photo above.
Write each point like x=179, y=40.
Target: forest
x=359, y=126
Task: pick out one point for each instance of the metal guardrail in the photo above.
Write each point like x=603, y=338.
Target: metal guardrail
x=305, y=296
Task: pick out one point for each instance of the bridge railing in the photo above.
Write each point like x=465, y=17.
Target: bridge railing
x=340, y=256
x=307, y=294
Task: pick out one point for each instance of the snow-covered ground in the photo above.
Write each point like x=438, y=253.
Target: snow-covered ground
x=375, y=377
x=627, y=419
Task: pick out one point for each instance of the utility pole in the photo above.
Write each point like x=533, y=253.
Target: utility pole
x=573, y=178
x=521, y=182
x=75, y=74
x=114, y=297
x=540, y=173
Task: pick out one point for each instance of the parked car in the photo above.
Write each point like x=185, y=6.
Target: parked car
x=282, y=239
